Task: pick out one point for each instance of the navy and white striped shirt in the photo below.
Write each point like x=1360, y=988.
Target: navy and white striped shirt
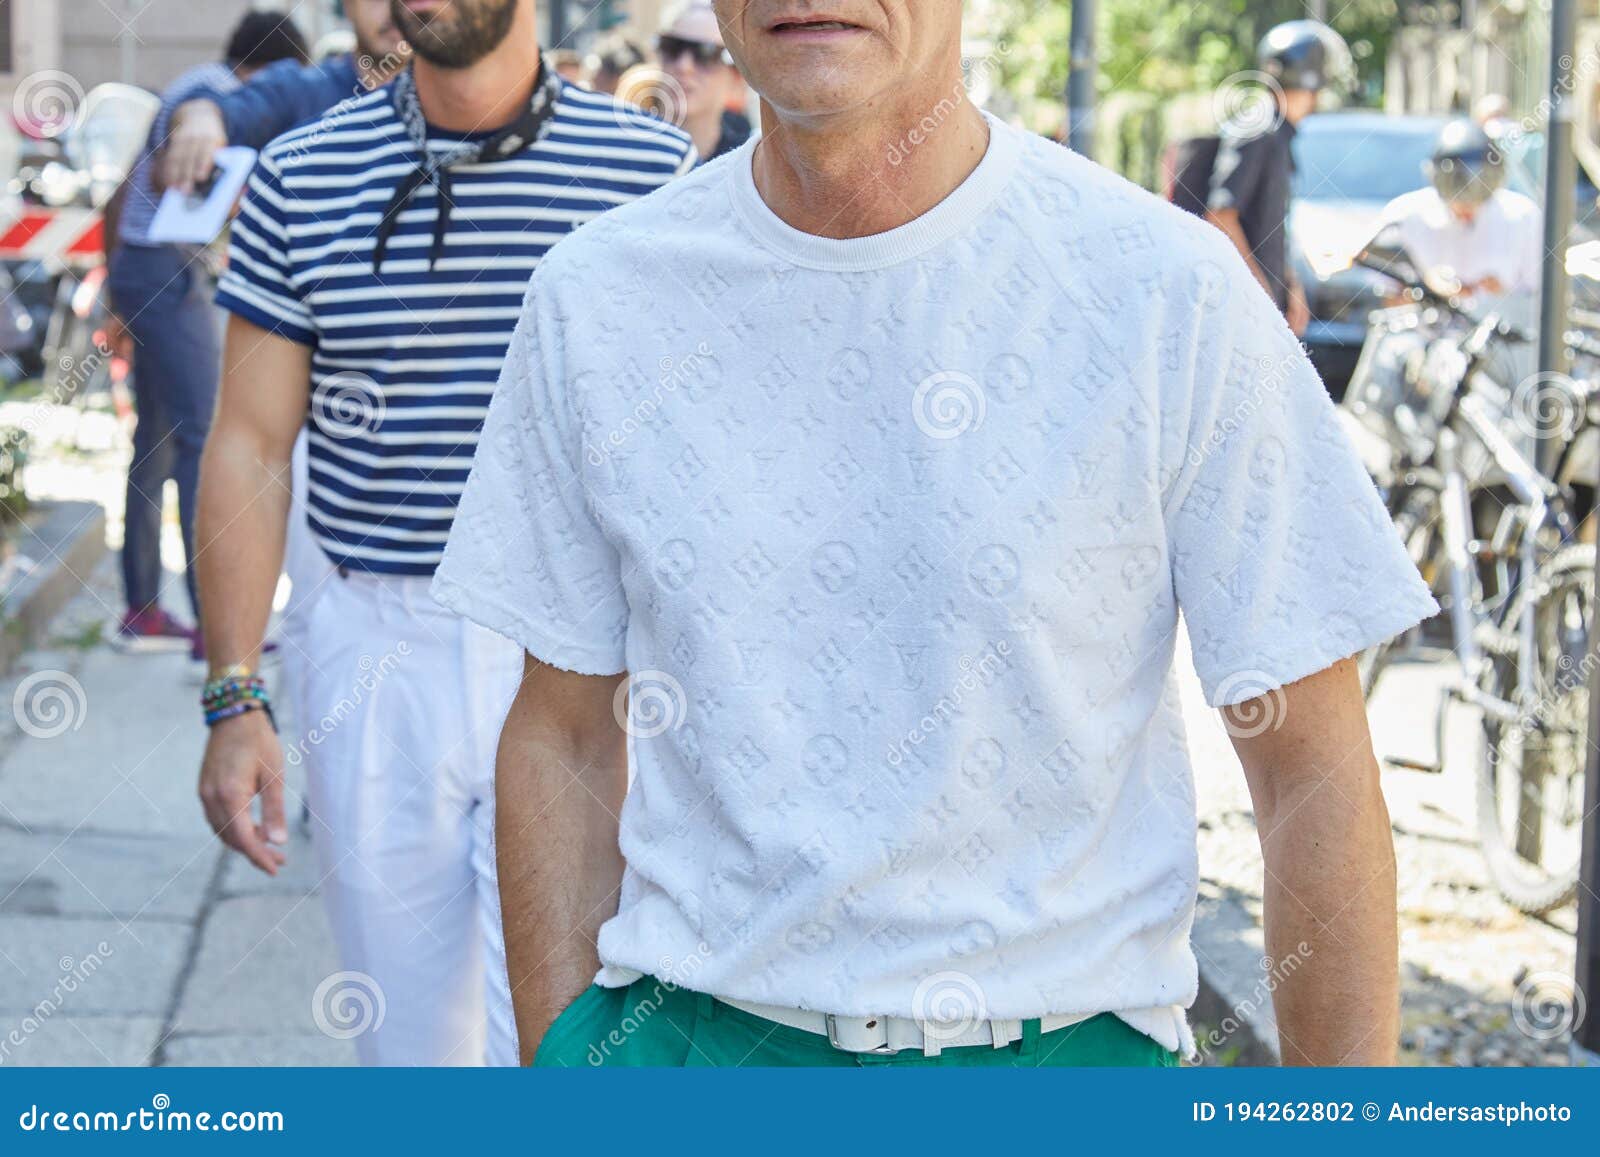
x=404, y=361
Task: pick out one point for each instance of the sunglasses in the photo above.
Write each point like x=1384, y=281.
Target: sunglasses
x=703, y=54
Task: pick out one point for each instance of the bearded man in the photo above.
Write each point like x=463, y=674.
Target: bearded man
x=377, y=269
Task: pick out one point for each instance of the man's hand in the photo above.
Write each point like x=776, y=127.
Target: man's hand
x=196, y=133
x=119, y=340
x=244, y=759
x=1330, y=877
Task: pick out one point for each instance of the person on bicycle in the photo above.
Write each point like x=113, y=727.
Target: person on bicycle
x=1249, y=193
x=1465, y=231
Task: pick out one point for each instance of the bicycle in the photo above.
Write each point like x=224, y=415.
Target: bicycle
x=1494, y=537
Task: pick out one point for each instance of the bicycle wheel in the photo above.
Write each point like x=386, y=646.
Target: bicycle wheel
x=1530, y=781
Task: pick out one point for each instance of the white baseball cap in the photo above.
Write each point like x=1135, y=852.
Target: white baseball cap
x=692, y=20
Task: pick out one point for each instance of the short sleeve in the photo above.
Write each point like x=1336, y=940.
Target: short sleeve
x=527, y=556
x=259, y=284
x=1237, y=172
x=1284, y=559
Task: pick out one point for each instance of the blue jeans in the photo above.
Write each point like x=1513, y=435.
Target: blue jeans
x=164, y=298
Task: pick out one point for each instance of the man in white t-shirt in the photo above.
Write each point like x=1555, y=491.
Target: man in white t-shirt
x=864, y=552
x=1465, y=230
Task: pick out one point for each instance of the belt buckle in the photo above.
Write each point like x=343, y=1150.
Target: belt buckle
x=885, y=1049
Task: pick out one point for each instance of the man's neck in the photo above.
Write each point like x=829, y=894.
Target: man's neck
x=857, y=174
x=488, y=94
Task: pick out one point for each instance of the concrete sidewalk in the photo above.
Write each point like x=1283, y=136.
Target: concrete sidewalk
x=128, y=934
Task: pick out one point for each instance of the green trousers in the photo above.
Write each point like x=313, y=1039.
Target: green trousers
x=651, y=1023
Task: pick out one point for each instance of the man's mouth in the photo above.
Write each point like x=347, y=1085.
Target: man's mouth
x=813, y=25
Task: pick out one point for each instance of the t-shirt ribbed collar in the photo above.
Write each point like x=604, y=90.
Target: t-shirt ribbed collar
x=878, y=250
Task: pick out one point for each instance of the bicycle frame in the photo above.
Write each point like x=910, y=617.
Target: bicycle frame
x=1539, y=505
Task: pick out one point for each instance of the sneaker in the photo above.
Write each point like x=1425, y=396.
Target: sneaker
x=153, y=630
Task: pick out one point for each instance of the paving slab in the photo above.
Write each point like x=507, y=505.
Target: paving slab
x=88, y=874
x=261, y=958
x=273, y=1051
x=78, y=966
x=115, y=749
x=79, y=1041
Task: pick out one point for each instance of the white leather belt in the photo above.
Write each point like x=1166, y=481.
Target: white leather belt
x=890, y=1034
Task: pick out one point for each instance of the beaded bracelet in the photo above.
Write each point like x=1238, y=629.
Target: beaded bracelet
x=233, y=693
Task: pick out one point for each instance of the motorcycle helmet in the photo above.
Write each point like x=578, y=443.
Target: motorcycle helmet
x=1306, y=54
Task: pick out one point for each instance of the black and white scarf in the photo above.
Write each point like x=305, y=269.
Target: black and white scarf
x=435, y=165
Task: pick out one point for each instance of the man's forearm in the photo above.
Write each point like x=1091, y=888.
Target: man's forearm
x=558, y=794
x=243, y=513
x=1228, y=221
x=1330, y=924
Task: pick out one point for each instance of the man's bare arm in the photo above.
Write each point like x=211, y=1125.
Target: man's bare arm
x=1330, y=875
x=561, y=773
x=239, y=530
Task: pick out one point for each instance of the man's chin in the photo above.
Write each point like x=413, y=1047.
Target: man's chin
x=806, y=102
x=450, y=36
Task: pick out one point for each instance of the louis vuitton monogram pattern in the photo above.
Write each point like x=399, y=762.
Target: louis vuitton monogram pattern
x=929, y=716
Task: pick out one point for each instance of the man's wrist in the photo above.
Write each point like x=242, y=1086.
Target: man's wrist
x=235, y=692
x=199, y=106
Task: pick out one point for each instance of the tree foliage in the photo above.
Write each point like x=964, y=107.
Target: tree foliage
x=1166, y=47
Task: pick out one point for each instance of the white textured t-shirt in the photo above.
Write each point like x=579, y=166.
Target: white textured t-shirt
x=891, y=535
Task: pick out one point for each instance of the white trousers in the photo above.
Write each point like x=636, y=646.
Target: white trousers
x=400, y=713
